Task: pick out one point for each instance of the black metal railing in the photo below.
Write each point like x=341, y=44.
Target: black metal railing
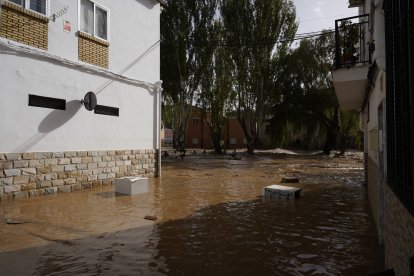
x=400, y=101
x=351, y=46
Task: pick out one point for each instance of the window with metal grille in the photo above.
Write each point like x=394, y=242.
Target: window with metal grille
x=400, y=99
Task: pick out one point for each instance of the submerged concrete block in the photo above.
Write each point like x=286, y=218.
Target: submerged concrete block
x=131, y=185
x=281, y=191
x=289, y=179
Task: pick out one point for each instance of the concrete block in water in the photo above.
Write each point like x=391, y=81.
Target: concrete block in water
x=289, y=179
x=281, y=191
x=131, y=185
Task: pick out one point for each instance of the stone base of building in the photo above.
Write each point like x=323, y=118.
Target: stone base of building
x=43, y=173
x=399, y=235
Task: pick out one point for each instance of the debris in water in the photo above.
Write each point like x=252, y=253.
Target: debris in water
x=289, y=179
x=17, y=222
x=281, y=191
x=150, y=217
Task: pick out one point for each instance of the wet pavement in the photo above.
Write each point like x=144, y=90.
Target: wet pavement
x=211, y=221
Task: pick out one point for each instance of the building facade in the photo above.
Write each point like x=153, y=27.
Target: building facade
x=199, y=135
x=378, y=81
x=55, y=136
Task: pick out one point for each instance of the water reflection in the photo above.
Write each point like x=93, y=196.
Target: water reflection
x=212, y=221
x=309, y=235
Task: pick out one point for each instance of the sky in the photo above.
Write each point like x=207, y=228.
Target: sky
x=315, y=15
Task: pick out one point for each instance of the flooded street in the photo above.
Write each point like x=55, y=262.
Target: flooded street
x=211, y=221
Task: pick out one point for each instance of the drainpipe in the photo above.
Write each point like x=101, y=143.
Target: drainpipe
x=158, y=91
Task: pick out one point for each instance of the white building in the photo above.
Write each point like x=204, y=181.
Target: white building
x=53, y=52
x=378, y=81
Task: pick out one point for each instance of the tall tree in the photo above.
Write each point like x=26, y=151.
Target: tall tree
x=256, y=31
x=185, y=27
x=308, y=98
x=215, y=95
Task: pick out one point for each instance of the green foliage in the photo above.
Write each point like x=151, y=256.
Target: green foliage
x=235, y=57
x=185, y=30
x=350, y=132
x=308, y=103
x=216, y=93
x=257, y=31
x=349, y=38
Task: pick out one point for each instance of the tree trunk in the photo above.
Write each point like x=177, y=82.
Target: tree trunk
x=343, y=143
x=216, y=138
x=332, y=133
x=250, y=137
x=250, y=148
x=179, y=138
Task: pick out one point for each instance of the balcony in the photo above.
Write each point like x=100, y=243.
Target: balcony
x=352, y=60
x=355, y=3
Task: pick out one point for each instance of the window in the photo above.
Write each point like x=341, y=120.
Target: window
x=39, y=6
x=196, y=120
x=94, y=19
x=399, y=90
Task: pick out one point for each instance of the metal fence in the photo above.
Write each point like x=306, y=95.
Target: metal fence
x=351, y=47
x=400, y=99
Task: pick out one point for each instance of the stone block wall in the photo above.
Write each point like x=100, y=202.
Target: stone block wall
x=399, y=235
x=93, y=50
x=34, y=174
x=24, y=26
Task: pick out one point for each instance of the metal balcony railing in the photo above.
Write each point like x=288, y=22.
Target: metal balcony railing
x=351, y=45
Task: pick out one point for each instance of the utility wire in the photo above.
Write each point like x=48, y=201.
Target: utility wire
x=59, y=10
x=259, y=42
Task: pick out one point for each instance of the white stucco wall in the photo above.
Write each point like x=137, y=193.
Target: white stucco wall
x=377, y=35
x=32, y=129
x=376, y=98
x=62, y=43
x=134, y=36
x=134, y=65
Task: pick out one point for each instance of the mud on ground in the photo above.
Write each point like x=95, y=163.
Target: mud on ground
x=211, y=220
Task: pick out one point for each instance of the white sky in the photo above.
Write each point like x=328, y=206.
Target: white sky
x=315, y=15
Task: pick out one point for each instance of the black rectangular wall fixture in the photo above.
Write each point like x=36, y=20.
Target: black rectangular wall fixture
x=46, y=102
x=107, y=110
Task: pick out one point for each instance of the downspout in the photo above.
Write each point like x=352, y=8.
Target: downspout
x=158, y=91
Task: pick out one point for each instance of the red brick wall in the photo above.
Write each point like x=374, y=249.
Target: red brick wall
x=234, y=131
x=23, y=25
x=197, y=128
x=93, y=50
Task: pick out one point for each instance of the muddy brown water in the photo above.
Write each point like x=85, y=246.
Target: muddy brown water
x=211, y=221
